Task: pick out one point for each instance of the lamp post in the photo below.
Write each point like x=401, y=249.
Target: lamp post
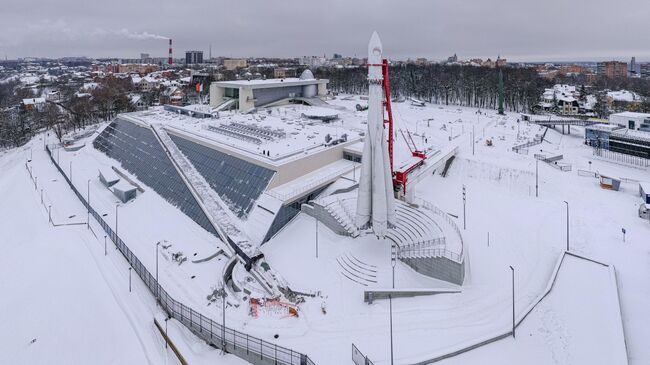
x=116, y=206
x=316, y=236
x=567, y=225
x=536, y=178
x=464, y=201
x=105, y=252
x=513, y=301
x=129, y=279
x=390, y=303
x=393, y=260
x=473, y=142
x=88, y=206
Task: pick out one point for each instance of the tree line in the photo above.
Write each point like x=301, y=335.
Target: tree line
x=449, y=84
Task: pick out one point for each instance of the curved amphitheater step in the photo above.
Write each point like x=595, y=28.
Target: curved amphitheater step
x=356, y=270
x=415, y=227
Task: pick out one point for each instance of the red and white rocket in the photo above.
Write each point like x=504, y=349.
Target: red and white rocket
x=375, y=200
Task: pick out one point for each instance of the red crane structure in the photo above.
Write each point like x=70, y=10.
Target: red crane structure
x=400, y=176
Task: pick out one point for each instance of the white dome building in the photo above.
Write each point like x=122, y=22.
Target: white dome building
x=308, y=91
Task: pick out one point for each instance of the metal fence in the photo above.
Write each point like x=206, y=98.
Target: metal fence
x=204, y=327
x=621, y=157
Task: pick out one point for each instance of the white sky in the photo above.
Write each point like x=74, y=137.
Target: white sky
x=520, y=30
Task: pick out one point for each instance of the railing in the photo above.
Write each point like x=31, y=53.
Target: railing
x=621, y=157
x=536, y=141
x=359, y=358
x=429, y=252
x=199, y=324
x=437, y=242
x=458, y=257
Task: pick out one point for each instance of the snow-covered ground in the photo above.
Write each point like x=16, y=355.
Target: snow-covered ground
x=63, y=301
x=525, y=231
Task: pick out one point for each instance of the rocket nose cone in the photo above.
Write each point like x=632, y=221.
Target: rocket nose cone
x=375, y=48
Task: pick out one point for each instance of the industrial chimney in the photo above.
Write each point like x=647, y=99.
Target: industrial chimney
x=170, y=51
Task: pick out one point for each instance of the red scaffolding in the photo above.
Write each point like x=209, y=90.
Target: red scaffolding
x=399, y=177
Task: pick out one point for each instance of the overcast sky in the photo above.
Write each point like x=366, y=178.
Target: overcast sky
x=519, y=30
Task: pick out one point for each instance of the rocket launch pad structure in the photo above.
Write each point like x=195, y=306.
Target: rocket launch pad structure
x=376, y=198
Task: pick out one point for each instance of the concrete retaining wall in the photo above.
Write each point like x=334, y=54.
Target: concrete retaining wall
x=371, y=295
x=438, y=267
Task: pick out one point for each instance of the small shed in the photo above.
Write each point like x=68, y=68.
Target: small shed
x=108, y=177
x=124, y=191
x=644, y=191
x=610, y=183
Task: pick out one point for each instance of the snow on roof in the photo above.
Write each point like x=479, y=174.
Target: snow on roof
x=623, y=95
x=294, y=81
x=306, y=75
x=90, y=86
x=632, y=133
x=645, y=186
x=33, y=101
x=631, y=115
x=604, y=127
x=275, y=139
x=135, y=98
x=123, y=186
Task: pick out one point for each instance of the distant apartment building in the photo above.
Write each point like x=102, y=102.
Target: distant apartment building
x=312, y=61
x=193, y=57
x=612, y=69
x=141, y=69
x=234, y=63
x=571, y=69
x=284, y=72
x=645, y=70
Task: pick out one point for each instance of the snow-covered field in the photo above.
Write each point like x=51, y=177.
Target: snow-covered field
x=63, y=301
x=62, y=288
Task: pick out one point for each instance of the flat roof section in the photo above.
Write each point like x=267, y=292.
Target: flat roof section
x=273, y=139
x=270, y=83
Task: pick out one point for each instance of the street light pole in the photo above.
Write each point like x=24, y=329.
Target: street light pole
x=116, y=206
x=473, y=142
x=129, y=279
x=393, y=260
x=88, y=210
x=464, y=200
x=513, y=301
x=390, y=303
x=536, y=178
x=567, y=225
